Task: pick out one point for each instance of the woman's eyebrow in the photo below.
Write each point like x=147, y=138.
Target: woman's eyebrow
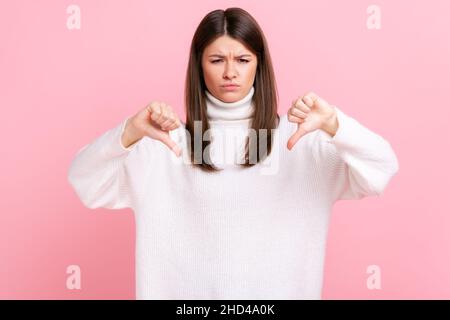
x=222, y=56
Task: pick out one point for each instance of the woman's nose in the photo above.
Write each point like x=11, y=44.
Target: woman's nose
x=230, y=71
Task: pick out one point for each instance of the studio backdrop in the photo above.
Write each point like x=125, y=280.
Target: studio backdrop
x=71, y=70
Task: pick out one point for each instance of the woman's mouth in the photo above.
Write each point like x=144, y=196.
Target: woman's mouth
x=230, y=87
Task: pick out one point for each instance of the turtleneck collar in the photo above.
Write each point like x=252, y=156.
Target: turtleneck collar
x=219, y=111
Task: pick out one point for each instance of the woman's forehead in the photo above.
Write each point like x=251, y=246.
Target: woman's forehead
x=225, y=45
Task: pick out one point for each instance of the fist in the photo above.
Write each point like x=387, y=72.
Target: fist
x=310, y=112
x=155, y=121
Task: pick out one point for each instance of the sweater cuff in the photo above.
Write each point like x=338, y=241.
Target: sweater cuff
x=116, y=148
x=350, y=133
x=353, y=138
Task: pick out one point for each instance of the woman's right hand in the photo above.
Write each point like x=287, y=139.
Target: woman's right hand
x=155, y=121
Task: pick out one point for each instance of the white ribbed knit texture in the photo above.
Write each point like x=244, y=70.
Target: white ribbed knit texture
x=218, y=110
x=238, y=233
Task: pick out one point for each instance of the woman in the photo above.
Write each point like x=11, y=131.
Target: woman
x=254, y=227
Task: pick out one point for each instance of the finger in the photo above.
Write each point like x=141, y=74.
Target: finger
x=155, y=110
x=168, y=124
x=176, y=121
x=312, y=95
x=151, y=106
x=310, y=98
x=154, y=106
x=302, y=106
x=296, y=136
x=175, y=125
x=170, y=128
x=158, y=118
x=171, y=144
x=299, y=104
x=308, y=101
x=169, y=121
x=297, y=112
x=295, y=119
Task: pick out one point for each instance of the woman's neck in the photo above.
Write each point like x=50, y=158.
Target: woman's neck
x=220, y=112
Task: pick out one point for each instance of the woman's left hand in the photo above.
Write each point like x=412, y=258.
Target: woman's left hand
x=311, y=113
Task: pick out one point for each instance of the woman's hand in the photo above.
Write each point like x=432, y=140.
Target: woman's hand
x=155, y=121
x=311, y=113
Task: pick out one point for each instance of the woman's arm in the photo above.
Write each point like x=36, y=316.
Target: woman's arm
x=97, y=173
x=356, y=162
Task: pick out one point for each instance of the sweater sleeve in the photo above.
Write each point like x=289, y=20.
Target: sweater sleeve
x=97, y=172
x=356, y=162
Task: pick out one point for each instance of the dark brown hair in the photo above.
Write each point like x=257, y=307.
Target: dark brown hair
x=240, y=25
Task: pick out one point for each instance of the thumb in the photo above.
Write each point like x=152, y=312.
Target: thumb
x=296, y=136
x=165, y=138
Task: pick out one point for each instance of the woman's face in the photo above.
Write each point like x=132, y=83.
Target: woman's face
x=228, y=61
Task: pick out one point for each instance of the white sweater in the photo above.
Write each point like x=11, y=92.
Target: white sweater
x=241, y=233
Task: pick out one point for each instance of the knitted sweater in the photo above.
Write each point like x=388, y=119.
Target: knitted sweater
x=240, y=233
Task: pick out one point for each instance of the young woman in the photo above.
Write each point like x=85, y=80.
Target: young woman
x=238, y=213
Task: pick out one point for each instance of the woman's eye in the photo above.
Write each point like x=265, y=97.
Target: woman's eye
x=241, y=60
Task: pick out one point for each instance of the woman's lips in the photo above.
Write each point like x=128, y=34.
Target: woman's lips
x=230, y=87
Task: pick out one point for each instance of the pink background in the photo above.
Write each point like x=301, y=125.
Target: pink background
x=61, y=88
